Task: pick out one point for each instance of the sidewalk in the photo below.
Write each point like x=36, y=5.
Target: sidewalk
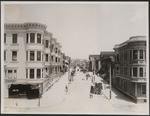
x=120, y=100
x=21, y=103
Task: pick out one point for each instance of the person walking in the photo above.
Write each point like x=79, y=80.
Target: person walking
x=66, y=89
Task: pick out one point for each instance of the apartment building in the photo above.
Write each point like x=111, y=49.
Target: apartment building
x=130, y=68
x=31, y=55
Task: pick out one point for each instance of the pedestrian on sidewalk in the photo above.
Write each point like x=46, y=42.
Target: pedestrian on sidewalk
x=66, y=89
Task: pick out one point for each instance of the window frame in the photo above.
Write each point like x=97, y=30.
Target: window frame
x=39, y=56
x=46, y=43
x=134, y=54
x=32, y=38
x=133, y=72
x=140, y=72
x=125, y=72
x=14, y=36
x=5, y=38
x=142, y=89
x=33, y=56
x=117, y=71
x=39, y=38
x=5, y=55
x=27, y=38
x=125, y=55
x=32, y=72
x=38, y=73
x=13, y=54
x=46, y=57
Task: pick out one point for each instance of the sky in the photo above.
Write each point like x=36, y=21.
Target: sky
x=83, y=28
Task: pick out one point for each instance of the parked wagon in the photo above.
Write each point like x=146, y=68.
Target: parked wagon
x=96, y=89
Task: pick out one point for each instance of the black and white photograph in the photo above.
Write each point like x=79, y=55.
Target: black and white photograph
x=74, y=57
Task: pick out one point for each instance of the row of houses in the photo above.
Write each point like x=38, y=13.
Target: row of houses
x=128, y=63
x=32, y=57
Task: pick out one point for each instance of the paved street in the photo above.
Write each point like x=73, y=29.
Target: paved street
x=76, y=100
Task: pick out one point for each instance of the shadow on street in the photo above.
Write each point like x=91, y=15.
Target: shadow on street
x=119, y=94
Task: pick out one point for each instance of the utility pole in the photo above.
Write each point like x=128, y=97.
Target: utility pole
x=110, y=80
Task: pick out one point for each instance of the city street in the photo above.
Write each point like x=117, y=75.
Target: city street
x=76, y=101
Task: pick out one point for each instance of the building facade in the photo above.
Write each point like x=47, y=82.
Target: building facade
x=105, y=65
x=130, y=68
x=94, y=61
x=31, y=55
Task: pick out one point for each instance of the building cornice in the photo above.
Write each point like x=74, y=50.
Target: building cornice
x=132, y=39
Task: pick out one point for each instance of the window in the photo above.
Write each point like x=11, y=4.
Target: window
x=55, y=59
x=52, y=58
x=55, y=50
x=55, y=69
x=125, y=56
x=4, y=37
x=14, y=55
x=46, y=57
x=26, y=73
x=32, y=37
x=31, y=73
x=135, y=54
x=143, y=89
x=145, y=72
x=121, y=69
x=46, y=44
x=27, y=38
x=38, y=55
x=26, y=55
x=12, y=74
x=38, y=73
x=52, y=46
x=135, y=72
x=14, y=38
x=31, y=55
x=9, y=74
x=125, y=70
x=4, y=55
x=117, y=70
x=117, y=57
x=145, y=53
x=121, y=56
x=38, y=38
x=130, y=54
x=130, y=72
x=141, y=54
x=141, y=71
x=42, y=73
x=15, y=74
